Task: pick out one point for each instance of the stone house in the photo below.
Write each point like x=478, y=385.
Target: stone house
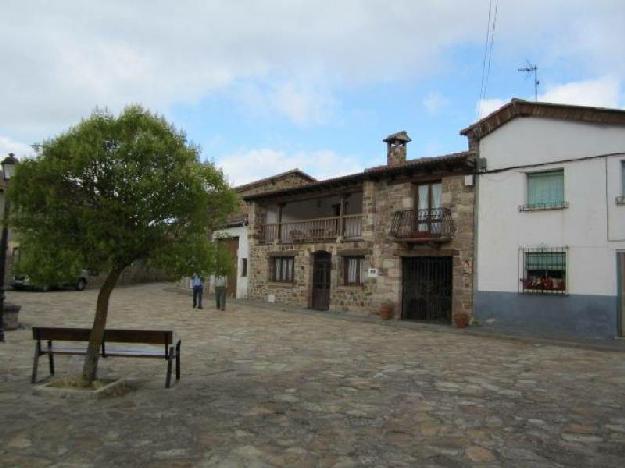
x=399, y=233
x=234, y=234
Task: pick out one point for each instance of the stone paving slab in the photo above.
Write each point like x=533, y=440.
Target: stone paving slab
x=264, y=388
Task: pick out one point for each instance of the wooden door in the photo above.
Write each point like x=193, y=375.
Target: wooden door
x=620, y=258
x=322, y=267
x=232, y=246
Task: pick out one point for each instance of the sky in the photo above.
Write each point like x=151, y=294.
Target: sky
x=264, y=86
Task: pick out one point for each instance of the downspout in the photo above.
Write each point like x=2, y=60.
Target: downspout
x=476, y=205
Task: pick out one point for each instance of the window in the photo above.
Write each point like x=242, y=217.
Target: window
x=429, y=196
x=353, y=270
x=282, y=269
x=243, y=267
x=620, y=200
x=545, y=190
x=428, y=207
x=544, y=271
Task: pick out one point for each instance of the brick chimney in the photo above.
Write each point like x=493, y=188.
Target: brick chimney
x=396, y=148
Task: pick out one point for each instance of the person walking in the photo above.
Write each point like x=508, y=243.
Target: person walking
x=220, y=291
x=197, y=283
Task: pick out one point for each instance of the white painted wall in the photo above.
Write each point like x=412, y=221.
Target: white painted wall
x=533, y=140
x=242, y=252
x=616, y=213
x=592, y=227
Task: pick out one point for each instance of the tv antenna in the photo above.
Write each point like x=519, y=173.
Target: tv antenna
x=530, y=68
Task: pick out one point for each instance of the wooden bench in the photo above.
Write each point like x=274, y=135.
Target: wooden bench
x=170, y=350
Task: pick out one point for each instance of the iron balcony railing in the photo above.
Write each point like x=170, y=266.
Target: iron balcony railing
x=423, y=225
x=312, y=230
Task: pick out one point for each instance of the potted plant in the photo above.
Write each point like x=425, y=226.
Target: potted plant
x=387, y=309
x=461, y=319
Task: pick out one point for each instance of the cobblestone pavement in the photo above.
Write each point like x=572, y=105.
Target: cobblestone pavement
x=269, y=388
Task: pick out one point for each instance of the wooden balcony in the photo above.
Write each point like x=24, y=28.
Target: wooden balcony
x=433, y=225
x=348, y=227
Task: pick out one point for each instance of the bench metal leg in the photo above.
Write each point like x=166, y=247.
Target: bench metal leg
x=33, y=378
x=178, y=361
x=51, y=363
x=168, y=378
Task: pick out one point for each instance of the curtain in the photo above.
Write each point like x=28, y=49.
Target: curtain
x=545, y=188
x=553, y=261
x=283, y=269
x=354, y=270
x=437, y=190
x=424, y=197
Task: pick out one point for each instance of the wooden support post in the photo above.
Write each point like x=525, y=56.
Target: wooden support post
x=341, y=225
x=279, y=236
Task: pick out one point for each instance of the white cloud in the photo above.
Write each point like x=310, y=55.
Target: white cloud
x=248, y=165
x=62, y=59
x=486, y=106
x=7, y=145
x=600, y=92
x=434, y=102
x=302, y=104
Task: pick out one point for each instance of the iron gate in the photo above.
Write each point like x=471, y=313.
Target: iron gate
x=426, y=288
x=321, y=280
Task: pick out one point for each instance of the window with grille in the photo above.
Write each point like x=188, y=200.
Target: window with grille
x=545, y=190
x=544, y=270
x=353, y=270
x=282, y=269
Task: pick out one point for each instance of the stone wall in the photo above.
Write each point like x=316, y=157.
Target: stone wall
x=137, y=273
x=380, y=200
x=342, y=297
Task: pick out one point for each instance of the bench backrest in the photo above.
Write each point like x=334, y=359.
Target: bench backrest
x=157, y=337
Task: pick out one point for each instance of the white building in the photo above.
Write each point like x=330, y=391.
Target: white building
x=550, y=220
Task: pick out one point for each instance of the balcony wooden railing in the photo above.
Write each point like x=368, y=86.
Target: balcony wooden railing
x=423, y=225
x=312, y=230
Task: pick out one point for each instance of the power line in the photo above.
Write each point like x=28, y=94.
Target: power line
x=492, y=42
x=486, y=40
x=489, y=42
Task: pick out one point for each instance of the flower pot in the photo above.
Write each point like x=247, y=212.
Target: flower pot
x=386, y=311
x=461, y=320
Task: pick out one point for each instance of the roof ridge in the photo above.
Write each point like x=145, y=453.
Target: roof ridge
x=275, y=176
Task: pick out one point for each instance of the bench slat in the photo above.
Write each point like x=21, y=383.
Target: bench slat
x=156, y=337
x=164, y=337
x=61, y=334
x=65, y=350
x=129, y=353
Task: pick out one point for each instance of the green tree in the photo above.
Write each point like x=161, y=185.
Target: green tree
x=113, y=190
x=222, y=260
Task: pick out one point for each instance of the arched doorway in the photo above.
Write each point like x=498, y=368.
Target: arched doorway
x=322, y=266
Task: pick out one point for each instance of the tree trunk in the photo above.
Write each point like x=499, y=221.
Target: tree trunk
x=90, y=368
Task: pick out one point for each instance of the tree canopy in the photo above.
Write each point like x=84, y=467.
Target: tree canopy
x=113, y=190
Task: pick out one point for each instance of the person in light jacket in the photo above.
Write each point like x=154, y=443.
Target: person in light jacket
x=220, y=291
x=197, y=282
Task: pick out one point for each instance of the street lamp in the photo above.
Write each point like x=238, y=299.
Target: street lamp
x=8, y=170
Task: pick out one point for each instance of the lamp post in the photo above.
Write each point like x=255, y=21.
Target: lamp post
x=8, y=170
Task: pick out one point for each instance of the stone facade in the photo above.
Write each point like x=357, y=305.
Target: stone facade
x=382, y=196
